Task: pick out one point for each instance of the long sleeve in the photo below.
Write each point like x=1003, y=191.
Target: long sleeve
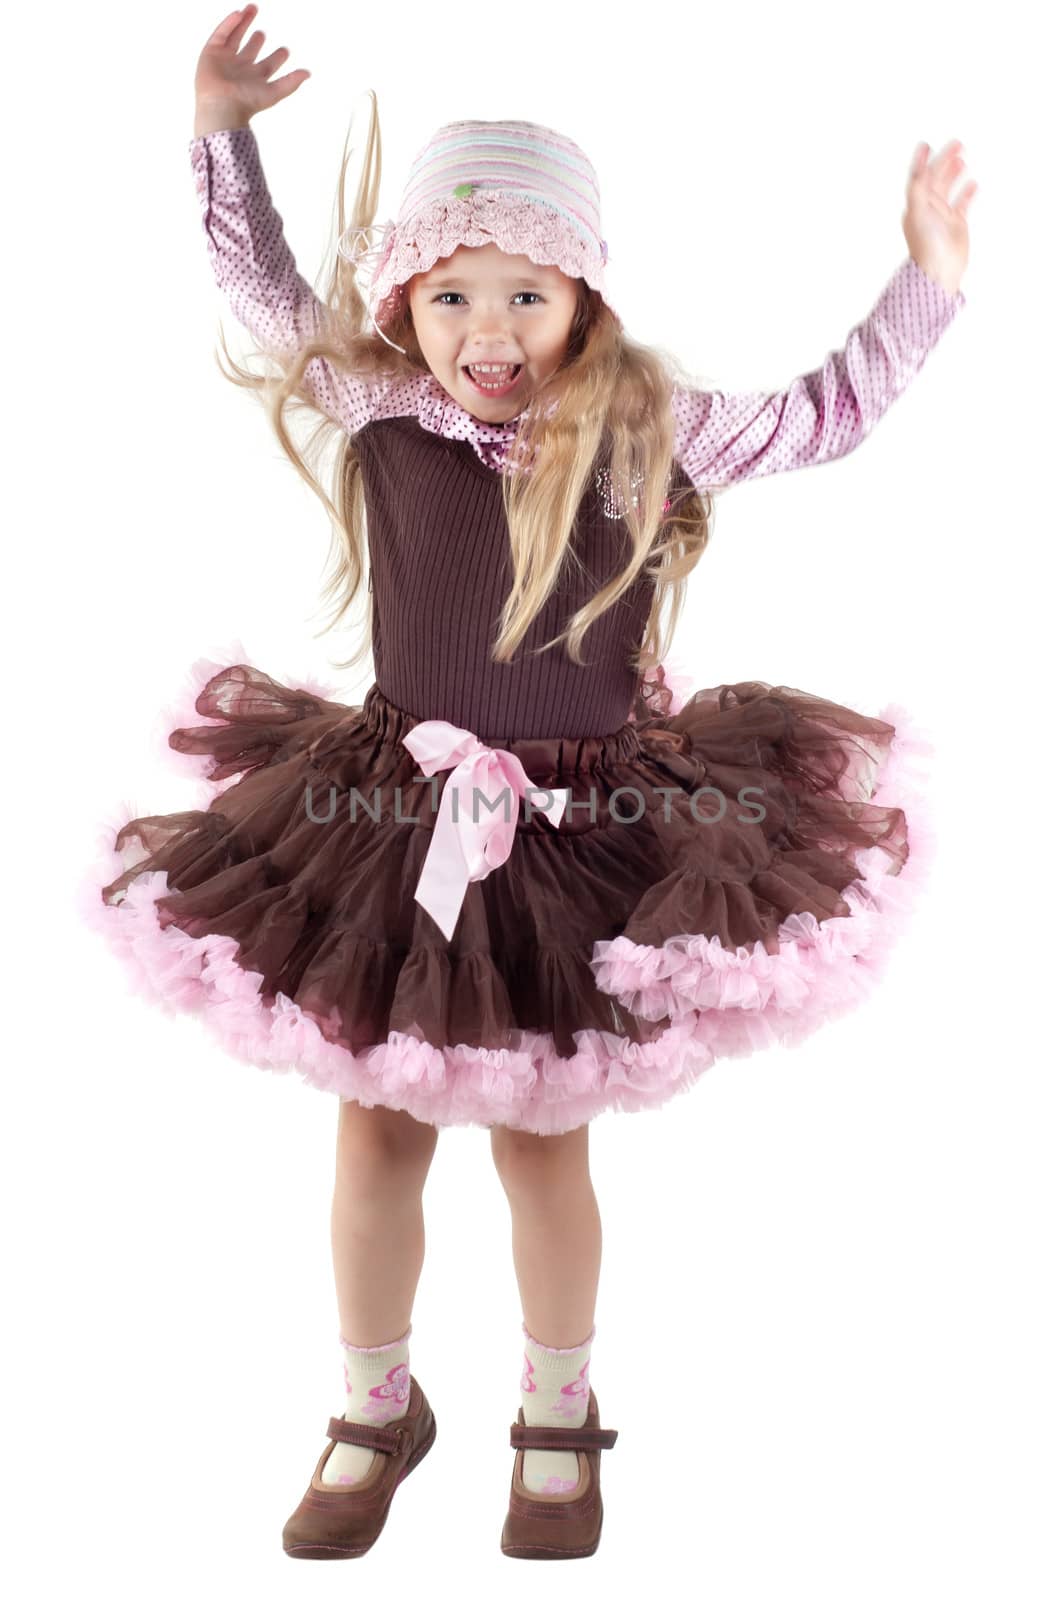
x=724, y=438
x=255, y=269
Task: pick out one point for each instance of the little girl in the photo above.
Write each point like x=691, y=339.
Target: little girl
x=617, y=884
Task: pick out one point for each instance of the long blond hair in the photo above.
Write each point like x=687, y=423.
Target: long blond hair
x=608, y=387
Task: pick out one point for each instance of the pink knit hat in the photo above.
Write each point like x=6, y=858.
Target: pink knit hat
x=524, y=187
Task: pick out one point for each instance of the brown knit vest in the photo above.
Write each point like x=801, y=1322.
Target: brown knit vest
x=441, y=571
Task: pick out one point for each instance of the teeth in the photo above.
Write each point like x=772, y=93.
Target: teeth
x=505, y=374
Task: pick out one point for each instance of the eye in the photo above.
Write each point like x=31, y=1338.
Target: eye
x=525, y=294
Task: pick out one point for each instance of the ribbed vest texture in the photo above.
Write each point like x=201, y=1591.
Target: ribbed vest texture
x=441, y=566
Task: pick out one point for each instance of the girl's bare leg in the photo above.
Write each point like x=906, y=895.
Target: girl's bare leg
x=557, y=1230
x=382, y=1161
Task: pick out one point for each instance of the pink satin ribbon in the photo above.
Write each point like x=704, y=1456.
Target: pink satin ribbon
x=465, y=849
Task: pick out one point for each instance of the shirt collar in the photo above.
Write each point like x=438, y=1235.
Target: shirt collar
x=440, y=413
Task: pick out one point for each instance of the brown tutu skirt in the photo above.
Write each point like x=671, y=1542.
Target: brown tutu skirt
x=729, y=875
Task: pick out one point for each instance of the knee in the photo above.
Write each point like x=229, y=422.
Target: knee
x=376, y=1141
x=531, y=1158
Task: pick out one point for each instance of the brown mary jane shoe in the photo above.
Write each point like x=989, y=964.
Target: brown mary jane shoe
x=334, y=1521
x=554, y=1526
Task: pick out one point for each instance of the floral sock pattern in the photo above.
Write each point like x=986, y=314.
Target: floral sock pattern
x=555, y=1391
x=378, y=1388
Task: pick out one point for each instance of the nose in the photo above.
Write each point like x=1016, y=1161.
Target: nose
x=489, y=336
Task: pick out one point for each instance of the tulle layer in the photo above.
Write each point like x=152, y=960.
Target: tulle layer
x=731, y=874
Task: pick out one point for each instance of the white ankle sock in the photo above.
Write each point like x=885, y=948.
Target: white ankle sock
x=378, y=1389
x=555, y=1393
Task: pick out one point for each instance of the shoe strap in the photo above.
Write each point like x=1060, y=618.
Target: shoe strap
x=522, y=1436
x=363, y=1433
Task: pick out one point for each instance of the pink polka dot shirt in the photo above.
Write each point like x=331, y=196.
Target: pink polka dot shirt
x=722, y=437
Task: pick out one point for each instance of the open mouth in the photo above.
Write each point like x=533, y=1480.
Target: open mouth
x=493, y=383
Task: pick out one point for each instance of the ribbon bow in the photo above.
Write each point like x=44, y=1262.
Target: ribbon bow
x=465, y=849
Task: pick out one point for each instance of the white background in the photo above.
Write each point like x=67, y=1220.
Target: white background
x=830, y=1286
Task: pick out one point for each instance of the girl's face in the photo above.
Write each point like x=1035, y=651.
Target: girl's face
x=482, y=304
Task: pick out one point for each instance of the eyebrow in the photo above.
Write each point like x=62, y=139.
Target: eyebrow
x=463, y=283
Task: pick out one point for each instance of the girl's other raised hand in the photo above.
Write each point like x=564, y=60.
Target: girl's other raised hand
x=231, y=84
x=935, y=226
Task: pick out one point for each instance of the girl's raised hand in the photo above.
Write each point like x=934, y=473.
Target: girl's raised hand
x=936, y=228
x=229, y=77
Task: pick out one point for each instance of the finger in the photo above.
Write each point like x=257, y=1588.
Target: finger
x=919, y=159
x=253, y=46
x=282, y=87
x=965, y=198
x=244, y=21
x=952, y=179
x=945, y=160
x=944, y=172
x=939, y=183
x=270, y=63
x=917, y=180
x=224, y=28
